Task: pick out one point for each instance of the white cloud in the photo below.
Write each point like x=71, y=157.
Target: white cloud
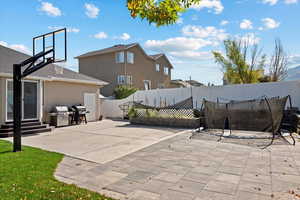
x=125, y=36
x=189, y=46
x=249, y=38
x=3, y=43
x=224, y=22
x=246, y=24
x=50, y=9
x=294, y=59
x=210, y=32
x=101, y=35
x=192, y=55
x=270, y=2
x=270, y=23
x=274, y=2
x=290, y=1
x=177, y=44
x=69, y=30
x=91, y=10
x=215, y=5
x=18, y=47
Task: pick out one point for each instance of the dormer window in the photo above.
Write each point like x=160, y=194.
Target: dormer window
x=130, y=57
x=157, y=67
x=120, y=57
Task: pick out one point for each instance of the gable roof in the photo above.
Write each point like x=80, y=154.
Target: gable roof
x=8, y=57
x=156, y=56
x=123, y=47
x=115, y=48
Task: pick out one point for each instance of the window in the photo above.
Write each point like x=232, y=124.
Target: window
x=129, y=80
x=147, y=84
x=166, y=70
x=120, y=57
x=130, y=57
x=122, y=80
x=157, y=67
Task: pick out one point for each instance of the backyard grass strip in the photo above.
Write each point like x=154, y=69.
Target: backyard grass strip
x=30, y=175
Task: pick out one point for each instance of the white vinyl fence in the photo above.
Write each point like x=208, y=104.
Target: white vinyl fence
x=110, y=108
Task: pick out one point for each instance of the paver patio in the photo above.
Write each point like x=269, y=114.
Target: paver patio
x=180, y=168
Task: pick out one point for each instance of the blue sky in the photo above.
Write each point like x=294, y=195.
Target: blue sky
x=98, y=24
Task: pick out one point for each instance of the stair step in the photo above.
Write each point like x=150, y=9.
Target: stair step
x=27, y=132
x=5, y=130
x=11, y=125
x=34, y=120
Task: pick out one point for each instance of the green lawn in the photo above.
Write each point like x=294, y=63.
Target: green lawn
x=28, y=175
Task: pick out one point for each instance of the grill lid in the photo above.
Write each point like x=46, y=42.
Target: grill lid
x=61, y=109
x=80, y=107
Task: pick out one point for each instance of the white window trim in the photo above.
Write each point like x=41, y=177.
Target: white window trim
x=166, y=70
x=121, y=79
x=130, y=53
x=149, y=82
x=39, y=107
x=157, y=67
x=124, y=80
x=117, y=57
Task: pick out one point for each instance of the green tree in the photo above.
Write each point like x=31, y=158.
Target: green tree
x=160, y=12
x=242, y=62
x=123, y=91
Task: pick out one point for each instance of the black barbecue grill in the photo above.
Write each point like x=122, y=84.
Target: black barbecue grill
x=79, y=114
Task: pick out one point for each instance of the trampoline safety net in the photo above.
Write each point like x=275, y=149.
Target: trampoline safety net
x=263, y=114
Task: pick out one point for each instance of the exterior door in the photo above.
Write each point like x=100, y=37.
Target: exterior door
x=90, y=104
x=29, y=100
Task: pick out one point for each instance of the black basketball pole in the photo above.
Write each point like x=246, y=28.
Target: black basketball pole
x=17, y=109
x=18, y=74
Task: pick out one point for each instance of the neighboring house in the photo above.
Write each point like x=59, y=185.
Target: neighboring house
x=178, y=83
x=126, y=65
x=50, y=86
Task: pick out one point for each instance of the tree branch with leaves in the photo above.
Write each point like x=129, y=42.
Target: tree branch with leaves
x=160, y=12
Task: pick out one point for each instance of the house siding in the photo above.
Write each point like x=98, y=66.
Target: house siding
x=105, y=70
x=69, y=94
x=104, y=67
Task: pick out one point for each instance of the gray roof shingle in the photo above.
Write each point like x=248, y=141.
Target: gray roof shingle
x=8, y=57
x=115, y=48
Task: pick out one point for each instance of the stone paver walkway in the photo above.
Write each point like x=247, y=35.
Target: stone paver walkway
x=184, y=169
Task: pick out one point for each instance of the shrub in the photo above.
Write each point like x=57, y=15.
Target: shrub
x=122, y=92
x=132, y=113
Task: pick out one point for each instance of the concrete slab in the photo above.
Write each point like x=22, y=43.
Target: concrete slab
x=100, y=142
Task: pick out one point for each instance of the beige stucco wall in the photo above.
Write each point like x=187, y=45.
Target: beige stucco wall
x=105, y=68
x=64, y=93
x=2, y=99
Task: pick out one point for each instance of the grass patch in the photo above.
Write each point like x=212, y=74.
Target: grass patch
x=28, y=175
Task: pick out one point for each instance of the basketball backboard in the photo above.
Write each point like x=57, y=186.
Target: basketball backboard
x=55, y=42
